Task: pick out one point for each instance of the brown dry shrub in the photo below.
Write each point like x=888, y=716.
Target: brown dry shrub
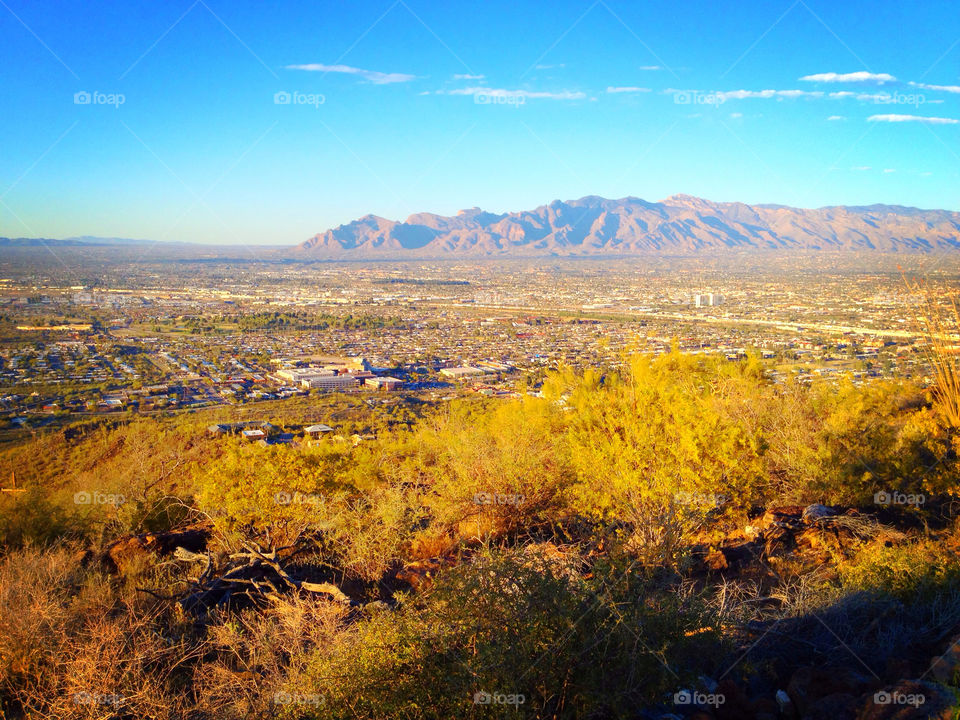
x=74, y=644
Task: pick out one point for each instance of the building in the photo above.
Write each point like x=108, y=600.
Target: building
x=318, y=430
x=460, y=373
x=298, y=375
x=384, y=383
x=330, y=382
x=707, y=299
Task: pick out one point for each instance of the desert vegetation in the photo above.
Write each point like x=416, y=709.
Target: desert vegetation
x=678, y=535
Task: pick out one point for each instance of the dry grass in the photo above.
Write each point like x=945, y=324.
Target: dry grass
x=940, y=326
x=74, y=644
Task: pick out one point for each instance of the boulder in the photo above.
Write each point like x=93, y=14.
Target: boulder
x=785, y=516
x=908, y=700
x=129, y=552
x=946, y=667
x=808, y=685
x=812, y=513
x=787, y=709
x=715, y=560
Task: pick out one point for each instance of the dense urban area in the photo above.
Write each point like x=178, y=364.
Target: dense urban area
x=173, y=335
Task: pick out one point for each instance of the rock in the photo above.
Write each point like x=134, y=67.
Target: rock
x=785, y=516
x=818, y=545
x=778, y=540
x=420, y=573
x=833, y=707
x=908, y=700
x=786, y=706
x=945, y=667
x=126, y=553
x=715, y=560
x=812, y=513
x=808, y=685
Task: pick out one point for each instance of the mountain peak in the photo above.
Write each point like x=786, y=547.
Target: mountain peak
x=596, y=226
x=687, y=200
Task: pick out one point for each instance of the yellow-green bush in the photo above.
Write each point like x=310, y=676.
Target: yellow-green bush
x=656, y=440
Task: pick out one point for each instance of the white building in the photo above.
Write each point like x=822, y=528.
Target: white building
x=330, y=382
x=298, y=375
x=459, y=373
x=384, y=383
x=707, y=299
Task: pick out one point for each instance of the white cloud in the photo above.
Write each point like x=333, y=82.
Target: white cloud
x=861, y=76
x=861, y=168
x=913, y=118
x=836, y=118
x=530, y=94
x=550, y=67
x=373, y=76
x=764, y=94
x=651, y=67
x=884, y=98
x=466, y=76
x=627, y=89
x=889, y=170
x=736, y=115
x=939, y=88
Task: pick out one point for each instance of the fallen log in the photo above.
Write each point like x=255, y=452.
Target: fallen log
x=255, y=574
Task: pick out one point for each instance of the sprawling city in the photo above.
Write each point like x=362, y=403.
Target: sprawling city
x=141, y=342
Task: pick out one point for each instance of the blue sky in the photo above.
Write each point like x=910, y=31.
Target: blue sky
x=243, y=121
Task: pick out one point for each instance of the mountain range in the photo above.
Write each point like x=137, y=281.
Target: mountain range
x=81, y=241
x=680, y=224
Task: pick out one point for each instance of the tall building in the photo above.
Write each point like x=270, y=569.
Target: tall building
x=707, y=299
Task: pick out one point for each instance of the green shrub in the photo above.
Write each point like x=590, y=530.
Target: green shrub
x=516, y=625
